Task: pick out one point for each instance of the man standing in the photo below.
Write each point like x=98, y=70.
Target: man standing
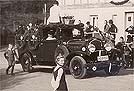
x=106, y=26
x=54, y=13
x=88, y=30
x=113, y=29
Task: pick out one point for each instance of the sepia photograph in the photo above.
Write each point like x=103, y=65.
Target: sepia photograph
x=66, y=45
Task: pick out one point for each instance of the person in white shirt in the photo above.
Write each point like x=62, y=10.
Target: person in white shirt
x=54, y=13
x=50, y=37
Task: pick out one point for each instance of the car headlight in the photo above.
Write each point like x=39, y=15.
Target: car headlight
x=91, y=47
x=83, y=49
x=21, y=37
x=33, y=36
x=108, y=47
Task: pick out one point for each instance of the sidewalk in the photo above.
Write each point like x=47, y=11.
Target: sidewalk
x=3, y=62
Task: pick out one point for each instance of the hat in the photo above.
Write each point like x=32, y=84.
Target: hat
x=111, y=21
x=88, y=22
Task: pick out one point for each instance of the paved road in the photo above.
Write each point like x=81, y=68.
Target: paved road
x=40, y=79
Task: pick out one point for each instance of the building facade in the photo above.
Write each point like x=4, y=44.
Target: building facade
x=98, y=11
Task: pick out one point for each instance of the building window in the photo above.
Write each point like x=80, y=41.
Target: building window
x=94, y=20
x=129, y=18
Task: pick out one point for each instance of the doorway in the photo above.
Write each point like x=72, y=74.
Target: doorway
x=129, y=19
x=94, y=20
x=114, y=18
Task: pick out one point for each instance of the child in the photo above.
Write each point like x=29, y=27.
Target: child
x=58, y=81
x=10, y=56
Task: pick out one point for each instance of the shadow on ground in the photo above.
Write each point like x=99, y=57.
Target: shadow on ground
x=47, y=70
x=90, y=74
x=9, y=81
x=103, y=74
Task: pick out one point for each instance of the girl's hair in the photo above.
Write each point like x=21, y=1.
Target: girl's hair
x=60, y=55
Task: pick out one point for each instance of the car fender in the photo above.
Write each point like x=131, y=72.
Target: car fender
x=76, y=53
x=30, y=54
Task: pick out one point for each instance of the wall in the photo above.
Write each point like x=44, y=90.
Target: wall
x=104, y=13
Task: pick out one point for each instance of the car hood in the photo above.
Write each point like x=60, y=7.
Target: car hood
x=76, y=44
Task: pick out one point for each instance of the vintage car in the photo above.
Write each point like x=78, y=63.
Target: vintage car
x=81, y=53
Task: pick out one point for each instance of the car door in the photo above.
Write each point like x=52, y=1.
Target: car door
x=44, y=55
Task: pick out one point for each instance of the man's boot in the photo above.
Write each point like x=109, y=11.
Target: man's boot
x=12, y=70
x=8, y=69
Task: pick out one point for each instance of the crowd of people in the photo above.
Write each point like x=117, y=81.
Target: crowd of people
x=58, y=80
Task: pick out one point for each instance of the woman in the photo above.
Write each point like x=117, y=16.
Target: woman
x=58, y=80
x=106, y=26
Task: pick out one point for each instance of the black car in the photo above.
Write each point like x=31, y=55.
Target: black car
x=81, y=53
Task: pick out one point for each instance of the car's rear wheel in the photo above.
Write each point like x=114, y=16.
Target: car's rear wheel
x=77, y=68
x=32, y=44
x=26, y=62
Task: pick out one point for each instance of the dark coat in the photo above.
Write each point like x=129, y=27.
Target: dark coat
x=113, y=29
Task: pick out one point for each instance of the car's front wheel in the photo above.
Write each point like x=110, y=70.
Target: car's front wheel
x=26, y=62
x=77, y=68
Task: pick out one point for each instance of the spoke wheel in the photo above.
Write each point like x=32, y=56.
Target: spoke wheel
x=77, y=68
x=26, y=62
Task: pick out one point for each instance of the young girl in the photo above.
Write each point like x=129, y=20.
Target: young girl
x=58, y=80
